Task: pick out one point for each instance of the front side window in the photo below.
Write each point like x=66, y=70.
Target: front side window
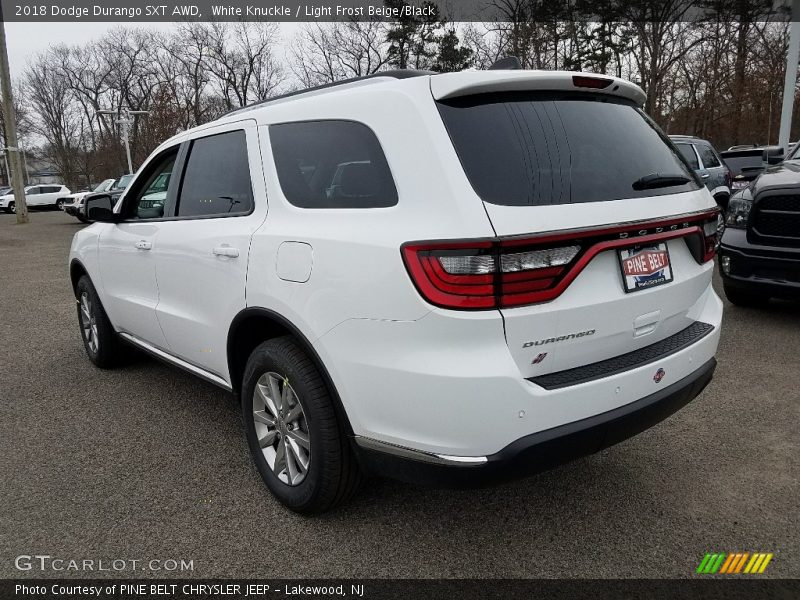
x=216, y=181
x=546, y=148
x=149, y=199
x=331, y=164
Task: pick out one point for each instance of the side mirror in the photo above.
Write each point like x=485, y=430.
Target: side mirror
x=100, y=208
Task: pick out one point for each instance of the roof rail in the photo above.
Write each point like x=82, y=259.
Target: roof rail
x=396, y=74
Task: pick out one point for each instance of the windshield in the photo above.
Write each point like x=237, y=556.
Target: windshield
x=102, y=187
x=543, y=148
x=124, y=181
x=744, y=162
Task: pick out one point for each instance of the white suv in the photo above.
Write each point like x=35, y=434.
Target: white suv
x=450, y=278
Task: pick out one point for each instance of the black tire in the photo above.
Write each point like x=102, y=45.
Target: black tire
x=108, y=350
x=12, y=207
x=333, y=473
x=745, y=298
x=59, y=203
x=81, y=218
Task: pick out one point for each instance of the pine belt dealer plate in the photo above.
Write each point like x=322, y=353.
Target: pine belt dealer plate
x=644, y=267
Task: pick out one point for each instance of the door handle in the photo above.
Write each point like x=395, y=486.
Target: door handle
x=226, y=250
x=143, y=245
x=705, y=175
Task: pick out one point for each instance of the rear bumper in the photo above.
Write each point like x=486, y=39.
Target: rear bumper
x=539, y=451
x=765, y=269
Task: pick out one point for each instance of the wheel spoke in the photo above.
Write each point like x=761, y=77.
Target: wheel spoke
x=267, y=439
x=294, y=413
x=291, y=464
x=300, y=455
x=280, y=458
x=261, y=416
x=264, y=396
x=275, y=392
x=300, y=437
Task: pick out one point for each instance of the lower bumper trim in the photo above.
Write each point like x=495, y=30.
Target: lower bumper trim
x=546, y=449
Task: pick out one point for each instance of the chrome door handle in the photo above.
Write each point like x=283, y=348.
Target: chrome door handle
x=705, y=175
x=226, y=250
x=143, y=245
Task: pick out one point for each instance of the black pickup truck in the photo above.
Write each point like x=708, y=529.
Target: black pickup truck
x=759, y=254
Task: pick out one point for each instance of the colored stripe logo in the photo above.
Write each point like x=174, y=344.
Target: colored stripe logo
x=733, y=563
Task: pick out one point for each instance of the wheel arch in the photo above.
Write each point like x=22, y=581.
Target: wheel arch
x=76, y=271
x=255, y=325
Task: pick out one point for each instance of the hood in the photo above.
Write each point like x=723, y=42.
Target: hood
x=786, y=174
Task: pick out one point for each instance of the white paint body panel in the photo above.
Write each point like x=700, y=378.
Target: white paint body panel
x=440, y=381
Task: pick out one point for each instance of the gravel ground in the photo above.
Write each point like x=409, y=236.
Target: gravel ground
x=147, y=462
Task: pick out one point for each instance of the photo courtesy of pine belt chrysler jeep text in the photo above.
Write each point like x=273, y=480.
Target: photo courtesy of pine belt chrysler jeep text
x=448, y=278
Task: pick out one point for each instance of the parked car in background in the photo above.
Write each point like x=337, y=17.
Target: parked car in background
x=745, y=165
x=705, y=160
x=5, y=190
x=77, y=209
x=423, y=299
x=69, y=203
x=36, y=195
x=759, y=255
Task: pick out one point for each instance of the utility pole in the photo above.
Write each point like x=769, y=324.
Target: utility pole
x=125, y=123
x=790, y=82
x=11, y=128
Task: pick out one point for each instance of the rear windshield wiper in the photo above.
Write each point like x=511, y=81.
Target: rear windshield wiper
x=657, y=180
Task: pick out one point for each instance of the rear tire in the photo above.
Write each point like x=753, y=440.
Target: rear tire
x=102, y=344
x=295, y=437
x=12, y=207
x=744, y=298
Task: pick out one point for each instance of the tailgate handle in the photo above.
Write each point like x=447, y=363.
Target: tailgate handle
x=645, y=324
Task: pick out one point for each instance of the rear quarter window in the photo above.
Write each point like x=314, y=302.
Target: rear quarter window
x=545, y=148
x=331, y=164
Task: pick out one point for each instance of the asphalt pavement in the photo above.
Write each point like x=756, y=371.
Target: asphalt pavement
x=147, y=463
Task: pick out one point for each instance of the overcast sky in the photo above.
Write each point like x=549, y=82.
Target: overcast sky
x=25, y=40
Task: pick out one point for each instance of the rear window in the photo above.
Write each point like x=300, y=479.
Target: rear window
x=538, y=148
x=744, y=162
x=331, y=164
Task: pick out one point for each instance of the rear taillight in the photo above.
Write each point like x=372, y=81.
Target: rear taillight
x=712, y=230
x=502, y=273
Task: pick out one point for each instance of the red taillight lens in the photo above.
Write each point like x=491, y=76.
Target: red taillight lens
x=712, y=228
x=458, y=275
x=486, y=275
x=597, y=83
x=503, y=273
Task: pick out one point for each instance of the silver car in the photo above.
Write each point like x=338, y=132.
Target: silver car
x=705, y=160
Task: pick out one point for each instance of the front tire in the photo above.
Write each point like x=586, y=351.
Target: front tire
x=12, y=207
x=748, y=299
x=295, y=437
x=103, y=346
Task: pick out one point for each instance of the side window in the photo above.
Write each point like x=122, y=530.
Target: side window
x=33, y=191
x=217, y=177
x=149, y=198
x=688, y=153
x=708, y=156
x=331, y=164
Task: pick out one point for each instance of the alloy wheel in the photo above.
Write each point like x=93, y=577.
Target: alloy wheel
x=89, y=323
x=281, y=428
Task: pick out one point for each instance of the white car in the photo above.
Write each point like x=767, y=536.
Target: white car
x=74, y=202
x=512, y=269
x=36, y=195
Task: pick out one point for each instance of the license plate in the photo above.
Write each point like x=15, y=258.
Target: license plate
x=740, y=185
x=644, y=267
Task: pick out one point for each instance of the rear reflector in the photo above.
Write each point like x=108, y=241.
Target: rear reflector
x=597, y=83
x=501, y=273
